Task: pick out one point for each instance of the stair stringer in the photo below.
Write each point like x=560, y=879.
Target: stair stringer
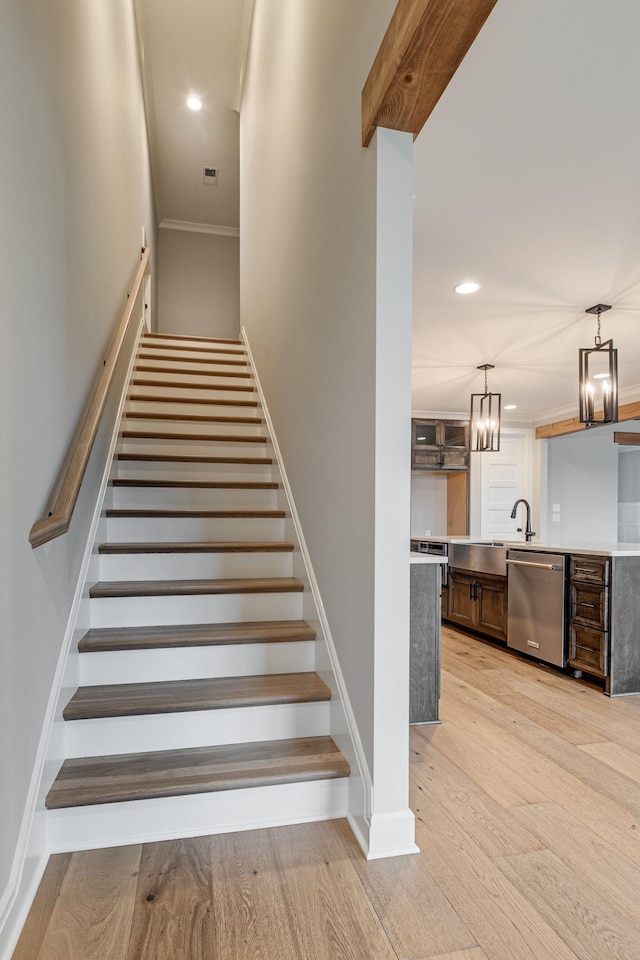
x=343, y=725
x=34, y=848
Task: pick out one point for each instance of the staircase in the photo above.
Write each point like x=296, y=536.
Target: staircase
x=199, y=710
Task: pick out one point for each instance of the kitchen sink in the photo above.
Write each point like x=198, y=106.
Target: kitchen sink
x=485, y=556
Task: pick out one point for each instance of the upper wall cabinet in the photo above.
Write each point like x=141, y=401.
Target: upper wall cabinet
x=439, y=445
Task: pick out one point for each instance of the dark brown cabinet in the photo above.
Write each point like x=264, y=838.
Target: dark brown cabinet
x=478, y=602
x=589, y=614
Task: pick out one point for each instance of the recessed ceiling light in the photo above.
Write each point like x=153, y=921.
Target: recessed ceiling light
x=194, y=103
x=510, y=406
x=468, y=287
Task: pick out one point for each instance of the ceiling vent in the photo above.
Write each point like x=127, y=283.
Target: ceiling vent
x=210, y=175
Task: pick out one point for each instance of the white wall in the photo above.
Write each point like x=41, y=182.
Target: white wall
x=428, y=504
x=198, y=284
x=583, y=480
x=309, y=276
x=75, y=196
x=629, y=475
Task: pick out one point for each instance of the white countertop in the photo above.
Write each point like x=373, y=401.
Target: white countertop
x=589, y=548
x=425, y=558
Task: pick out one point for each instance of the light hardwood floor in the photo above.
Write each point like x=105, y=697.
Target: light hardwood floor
x=527, y=801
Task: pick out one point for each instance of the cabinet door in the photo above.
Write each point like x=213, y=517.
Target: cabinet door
x=462, y=605
x=492, y=607
x=588, y=650
x=589, y=569
x=588, y=605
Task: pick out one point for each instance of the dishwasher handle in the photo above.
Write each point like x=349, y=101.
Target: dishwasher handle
x=541, y=566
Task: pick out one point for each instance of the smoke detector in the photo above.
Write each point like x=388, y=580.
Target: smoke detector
x=210, y=176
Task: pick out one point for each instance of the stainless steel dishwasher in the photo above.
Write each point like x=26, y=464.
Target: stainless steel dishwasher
x=536, y=613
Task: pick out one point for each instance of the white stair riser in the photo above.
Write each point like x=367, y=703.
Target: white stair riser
x=193, y=359
x=169, y=470
x=148, y=497
x=195, y=728
x=194, y=408
x=194, y=378
x=117, y=824
x=197, y=344
x=200, y=448
x=146, y=384
x=214, y=365
x=193, y=426
x=193, y=529
x=194, y=566
x=210, y=608
x=191, y=663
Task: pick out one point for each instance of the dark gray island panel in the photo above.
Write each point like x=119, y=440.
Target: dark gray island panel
x=624, y=656
x=424, y=676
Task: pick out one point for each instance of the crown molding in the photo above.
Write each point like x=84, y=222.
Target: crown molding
x=189, y=226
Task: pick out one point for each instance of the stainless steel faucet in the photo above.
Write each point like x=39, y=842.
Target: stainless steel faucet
x=528, y=533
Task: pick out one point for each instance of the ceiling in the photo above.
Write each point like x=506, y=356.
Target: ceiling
x=526, y=180
x=194, y=47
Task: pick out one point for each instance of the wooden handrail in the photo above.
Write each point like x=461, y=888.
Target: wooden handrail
x=57, y=522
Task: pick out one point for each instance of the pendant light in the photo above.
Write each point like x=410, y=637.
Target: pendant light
x=598, y=378
x=485, y=417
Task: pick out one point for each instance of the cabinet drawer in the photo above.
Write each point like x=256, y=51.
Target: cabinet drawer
x=588, y=605
x=588, y=650
x=589, y=569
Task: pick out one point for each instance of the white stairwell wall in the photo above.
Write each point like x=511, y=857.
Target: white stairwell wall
x=74, y=165
x=326, y=283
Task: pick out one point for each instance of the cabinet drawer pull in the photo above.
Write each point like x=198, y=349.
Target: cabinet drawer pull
x=586, y=570
x=583, y=604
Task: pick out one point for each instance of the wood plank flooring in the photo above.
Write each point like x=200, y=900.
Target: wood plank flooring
x=527, y=807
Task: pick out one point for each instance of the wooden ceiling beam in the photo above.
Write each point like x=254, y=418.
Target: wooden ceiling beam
x=627, y=439
x=423, y=47
x=628, y=411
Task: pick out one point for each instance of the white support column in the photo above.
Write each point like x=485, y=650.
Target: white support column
x=392, y=827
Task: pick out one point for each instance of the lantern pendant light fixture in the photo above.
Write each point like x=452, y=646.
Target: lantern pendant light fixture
x=598, y=373
x=485, y=417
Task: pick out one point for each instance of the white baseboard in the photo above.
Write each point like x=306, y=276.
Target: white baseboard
x=359, y=813
x=391, y=835
x=32, y=850
x=17, y=908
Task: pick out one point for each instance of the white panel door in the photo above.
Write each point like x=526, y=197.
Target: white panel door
x=505, y=477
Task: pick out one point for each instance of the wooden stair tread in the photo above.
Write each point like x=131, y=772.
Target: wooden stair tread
x=190, y=417
x=193, y=588
x=208, y=546
x=136, y=381
x=209, y=401
x=170, y=773
x=179, y=336
x=226, y=350
x=169, y=435
x=184, y=371
x=196, y=484
x=182, y=696
x=160, y=356
x=191, y=458
x=105, y=639
x=186, y=512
